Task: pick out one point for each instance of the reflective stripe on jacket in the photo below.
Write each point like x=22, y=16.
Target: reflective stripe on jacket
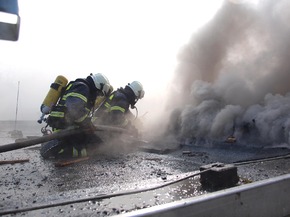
x=77, y=102
x=115, y=108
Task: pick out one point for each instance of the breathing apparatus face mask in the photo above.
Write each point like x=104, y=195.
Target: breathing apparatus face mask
x=99, y=93
x=141, y=95
x=133, y=105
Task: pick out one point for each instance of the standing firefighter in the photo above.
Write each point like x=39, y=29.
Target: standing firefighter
x=115, y=110
x=73, y=111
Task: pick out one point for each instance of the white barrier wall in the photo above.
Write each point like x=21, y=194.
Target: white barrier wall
x=267, y=198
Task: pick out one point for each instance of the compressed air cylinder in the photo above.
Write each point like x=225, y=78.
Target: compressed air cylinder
x=53, y=94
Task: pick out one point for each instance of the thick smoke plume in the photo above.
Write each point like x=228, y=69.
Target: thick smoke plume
x=233, y=77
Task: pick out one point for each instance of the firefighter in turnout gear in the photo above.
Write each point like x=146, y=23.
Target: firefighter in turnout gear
x=115, y=110
x=74, y=110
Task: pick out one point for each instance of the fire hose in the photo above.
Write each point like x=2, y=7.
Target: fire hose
x=106, y=196
x=58, y=135
x=96, y=197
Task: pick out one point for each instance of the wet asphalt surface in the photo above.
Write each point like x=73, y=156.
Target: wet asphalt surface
x=105, y=184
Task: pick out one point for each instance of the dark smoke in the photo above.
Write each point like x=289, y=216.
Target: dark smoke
x=233, y=77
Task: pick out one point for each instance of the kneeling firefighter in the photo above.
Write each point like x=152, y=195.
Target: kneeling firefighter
x=115, y=110
x=73, y=111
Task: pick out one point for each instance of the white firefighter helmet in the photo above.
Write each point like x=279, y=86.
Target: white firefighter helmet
x=137, y=88
x=101, y=82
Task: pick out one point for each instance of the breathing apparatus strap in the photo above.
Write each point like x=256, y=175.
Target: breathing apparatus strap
x=55, y=86
x=64, y=89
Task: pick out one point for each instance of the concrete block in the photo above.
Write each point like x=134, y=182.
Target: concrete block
x=218, y=176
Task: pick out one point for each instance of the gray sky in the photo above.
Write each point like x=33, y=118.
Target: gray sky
x=126, y=40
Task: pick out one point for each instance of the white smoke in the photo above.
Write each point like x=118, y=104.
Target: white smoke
x=234, y=76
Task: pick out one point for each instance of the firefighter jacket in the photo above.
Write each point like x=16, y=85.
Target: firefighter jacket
x=74, y=105
x=115, y=108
